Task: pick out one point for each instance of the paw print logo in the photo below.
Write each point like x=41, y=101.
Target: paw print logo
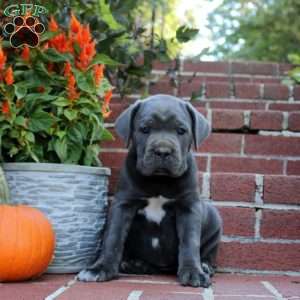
x=24, y=30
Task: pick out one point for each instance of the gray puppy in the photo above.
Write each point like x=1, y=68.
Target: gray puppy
x=157, y=222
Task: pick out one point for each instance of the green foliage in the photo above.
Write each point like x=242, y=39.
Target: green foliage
x=256, y=30
x=43, y=116
x=125, y=32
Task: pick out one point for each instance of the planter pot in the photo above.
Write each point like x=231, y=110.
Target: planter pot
x=75, y=200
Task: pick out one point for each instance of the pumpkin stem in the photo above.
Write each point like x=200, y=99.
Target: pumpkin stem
x=4, y=191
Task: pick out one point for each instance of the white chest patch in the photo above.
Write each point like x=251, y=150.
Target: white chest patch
x=154, y=210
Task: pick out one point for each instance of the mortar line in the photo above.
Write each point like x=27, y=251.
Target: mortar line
x=208, y=294
x=272, y=290
x=135, y=295
x=61, y=290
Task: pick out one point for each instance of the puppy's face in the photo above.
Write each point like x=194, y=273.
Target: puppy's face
x=162, y=129
x=162, y=137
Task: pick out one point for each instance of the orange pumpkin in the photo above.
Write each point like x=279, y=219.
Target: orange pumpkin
x=27, y=242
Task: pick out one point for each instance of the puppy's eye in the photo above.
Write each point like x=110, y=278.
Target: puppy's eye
x=145, y=129
x=181, y=130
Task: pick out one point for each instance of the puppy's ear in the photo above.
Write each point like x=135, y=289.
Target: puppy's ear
x=200, y=126
x=124, y=123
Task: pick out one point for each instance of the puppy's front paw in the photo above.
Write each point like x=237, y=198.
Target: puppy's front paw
x=99, y=274
x=192, y=276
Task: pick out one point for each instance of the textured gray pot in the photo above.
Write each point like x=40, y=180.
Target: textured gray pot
x=74, y=198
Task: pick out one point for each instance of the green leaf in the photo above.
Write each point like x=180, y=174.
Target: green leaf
x=61, y=148
x=54, y=56
x=20, y=90
x=40, y=121
x=62, y=102
x=91, y=155
x=85, y=82
x=30, y=137
x=74, y=155
x=185, y=34
x=107, y=16
x=101, y=58
x=106, y=135
x=294, y=58
x=21, y=121
x=70, y=114
x=74, y=135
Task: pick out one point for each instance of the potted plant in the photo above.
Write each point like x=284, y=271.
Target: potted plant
x=53, y=101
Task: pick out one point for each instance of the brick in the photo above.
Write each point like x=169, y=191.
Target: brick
x=278, y=224
x=237, y=105
x=247, y=90
x=294, y=121
x=232, y=187
x=238, y=221
x=276, y=92
x=297, y=92
x=284, y=68
x=266, y=120
x=246, y=165
x=293, y=167
x=209, y=78
x=217, y=89
x=263, y=68
x=285, y=106
x=240, y=68
x=116, y=110
x=266, y=80
x=282, y=189
x=201, y=163
x=161, y=87
x=222, y=143
x=259, y=256
x=189, y=85
x=206, y=67
x=254, y=68
x=157, y=65
x=272, y=145
x=227, y=119
x=239, y=79
x=113, y=159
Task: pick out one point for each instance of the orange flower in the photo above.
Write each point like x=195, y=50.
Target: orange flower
x=105, y=107
x=71, y=88
x=52, y=26
x=98, y=74
x=86, y=55
x=67, y=69
x=74, y=24
x=9, y=76
x=2, y=59
x=107, y=97
x=25, y=53
x=61, y=43
x=83, y=36
x=5, y=107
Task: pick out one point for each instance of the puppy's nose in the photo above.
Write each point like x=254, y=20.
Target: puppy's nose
x=162, y=152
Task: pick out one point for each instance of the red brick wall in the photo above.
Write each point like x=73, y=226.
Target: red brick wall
x=249, y=166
